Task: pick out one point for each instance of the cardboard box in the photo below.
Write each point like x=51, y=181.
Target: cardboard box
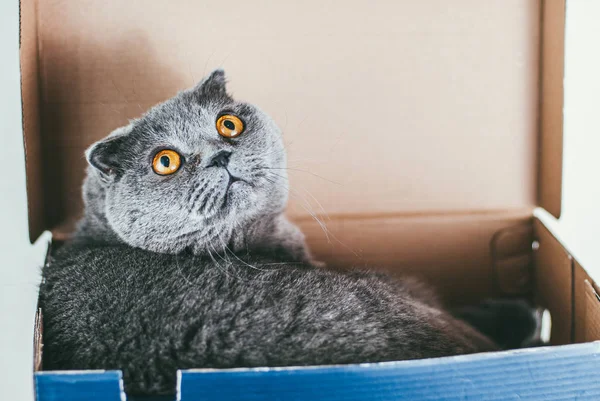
x=429, y=131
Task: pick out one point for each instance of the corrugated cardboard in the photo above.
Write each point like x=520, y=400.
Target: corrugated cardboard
x=400, y=107
x=422, y=134
x=554, y=286
x=556, y=373
x=586, y=307
x=441, y=248
x=551, y=105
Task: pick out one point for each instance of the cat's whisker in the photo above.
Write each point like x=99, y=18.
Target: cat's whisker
x=117, y=89
x=302, y=160
x=181, y=271
x=307, y=207
x=224, y=60
x=113, y=109
x=189, y=68
x=207, y=60
x=226, y=248
x=318, y=203
x=299, y=170
x=283, y=152
x=323, y=226
x=294, y=191
x=280, y=151
x=245, y=263
x=283, y=263
x=217, y=264
x=210, y=254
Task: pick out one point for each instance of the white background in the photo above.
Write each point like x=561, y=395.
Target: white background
x=20, y=262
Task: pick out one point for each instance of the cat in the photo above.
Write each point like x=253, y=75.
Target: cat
x=184, y=259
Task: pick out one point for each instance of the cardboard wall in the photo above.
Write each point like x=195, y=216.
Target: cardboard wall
x=386, y=107
x=586, y=306
x=552, y=71
x=31, y=117
x=492, y=250
x=553, y=277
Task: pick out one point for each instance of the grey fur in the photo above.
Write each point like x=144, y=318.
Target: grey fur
x=175, y=272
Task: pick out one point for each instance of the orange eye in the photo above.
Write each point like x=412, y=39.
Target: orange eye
x=166, y=162
x=229, y=126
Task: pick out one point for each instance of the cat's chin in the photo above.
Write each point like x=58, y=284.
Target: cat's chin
x=237, y=186
x=238, y=198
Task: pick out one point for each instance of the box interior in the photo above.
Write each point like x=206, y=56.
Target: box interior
x=422, y=134
x=510, y=256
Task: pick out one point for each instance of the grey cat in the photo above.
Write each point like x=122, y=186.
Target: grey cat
x=184, y=259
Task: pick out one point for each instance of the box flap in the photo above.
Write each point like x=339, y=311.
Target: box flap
x=587, y=306
x=492, y=249
x=89, y=385
x=551, y=106
x=407, y=107
x=30, y=103
x=565, y=373
x=553, y=277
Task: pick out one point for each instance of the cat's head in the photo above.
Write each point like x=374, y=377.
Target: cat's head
x=189, y=172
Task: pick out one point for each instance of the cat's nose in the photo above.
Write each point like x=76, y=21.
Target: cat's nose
x=221, y=159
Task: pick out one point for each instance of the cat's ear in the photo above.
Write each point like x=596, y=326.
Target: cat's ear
x=213, y=85
x=105, y=155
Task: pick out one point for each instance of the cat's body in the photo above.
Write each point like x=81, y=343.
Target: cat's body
x=199, y=267
x=116, y=307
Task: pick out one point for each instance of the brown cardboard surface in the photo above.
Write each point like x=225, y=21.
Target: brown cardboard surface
x=30, y=84
x=586, y=306
x=406, y=107
x=551, y=106
x=592, y=321
x=453, y=252
x=513, y=259
x=553, y=277
x=580, y=276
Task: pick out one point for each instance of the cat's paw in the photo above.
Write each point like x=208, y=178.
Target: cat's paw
x=510, y=323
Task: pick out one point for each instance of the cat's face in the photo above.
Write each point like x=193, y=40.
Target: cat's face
x=191, y=171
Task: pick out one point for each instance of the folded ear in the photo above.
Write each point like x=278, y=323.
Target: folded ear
x=106, y=155
x=213, y=85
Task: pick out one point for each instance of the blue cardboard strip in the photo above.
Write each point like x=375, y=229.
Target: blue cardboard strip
x=570, y=372
x=79, y=386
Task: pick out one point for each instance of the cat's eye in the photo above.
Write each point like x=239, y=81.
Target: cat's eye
x=166, y=162
x=229, y=126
